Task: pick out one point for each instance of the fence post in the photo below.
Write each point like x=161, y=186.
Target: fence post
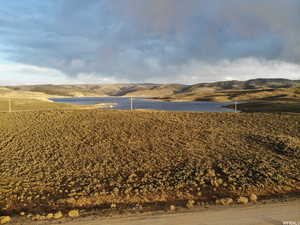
x=9, y=105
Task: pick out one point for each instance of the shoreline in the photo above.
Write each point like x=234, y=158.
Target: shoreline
x=224, y=104
x=32, y=104
x=242, y=106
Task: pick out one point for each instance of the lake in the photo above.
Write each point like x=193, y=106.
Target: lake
x=142, y=103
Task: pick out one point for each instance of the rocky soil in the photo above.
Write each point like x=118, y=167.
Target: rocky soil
x=52, y=161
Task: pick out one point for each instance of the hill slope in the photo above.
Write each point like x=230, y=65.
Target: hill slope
x=217, y=91
x=239, y=90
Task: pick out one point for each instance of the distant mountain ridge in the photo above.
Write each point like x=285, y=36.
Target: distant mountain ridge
x=250, y=84
x=167, y=91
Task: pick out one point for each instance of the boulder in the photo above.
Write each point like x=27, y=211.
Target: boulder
x=253, y=197
x=73, y=213
x=113, y=206
x=190, y=204
x=58, y=215
x=225, y=201
x=50, y=216
x=172, y=208
x=5, y=219
x=243, y=200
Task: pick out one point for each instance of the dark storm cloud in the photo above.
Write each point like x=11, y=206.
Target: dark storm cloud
x=219, y=25
x=161, y=39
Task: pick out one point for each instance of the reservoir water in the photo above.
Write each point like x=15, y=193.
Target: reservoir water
x=142, y=103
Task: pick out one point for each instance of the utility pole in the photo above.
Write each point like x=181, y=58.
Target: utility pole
x=131, y=103
x=235, y=106
x=9, y=105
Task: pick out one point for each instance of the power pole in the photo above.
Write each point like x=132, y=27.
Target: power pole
x=131, y=103
x=9, y=105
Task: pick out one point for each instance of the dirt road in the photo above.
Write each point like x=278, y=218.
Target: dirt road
x=268, y=214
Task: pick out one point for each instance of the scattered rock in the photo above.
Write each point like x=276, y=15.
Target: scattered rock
x=116, y=190
x=172, y=208
x=5, y=219
x=219, y=181
x=211, y=173
x=224, y=201
x=243, y=200
x=287, y=189
x=22, y=214
x=58, y=215
x=253, y=197
x=237, y=171
x=35, y=217
x=50, y=216
x=38, y=217
x=190, y=204
x=73, y=213
x=139, y=206
x=42, y=218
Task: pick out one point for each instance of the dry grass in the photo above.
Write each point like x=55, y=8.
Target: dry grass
x=269, y=106
x=28, y=104
x=23, y=94
x=281, y=100
x=201, y=94
x=56, y=160
x=97, y=90
x=156, y=91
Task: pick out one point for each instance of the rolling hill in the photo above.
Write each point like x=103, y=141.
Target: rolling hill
x=217, y=91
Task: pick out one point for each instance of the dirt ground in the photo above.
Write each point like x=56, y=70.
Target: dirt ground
x=57, y=161
x=266, y=213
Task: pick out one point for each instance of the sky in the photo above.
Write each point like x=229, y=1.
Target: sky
x=148, y=41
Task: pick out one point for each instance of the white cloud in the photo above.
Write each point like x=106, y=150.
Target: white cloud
x=21, y=74
x=13, y=74
x=190, y=73
x=239, y=69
